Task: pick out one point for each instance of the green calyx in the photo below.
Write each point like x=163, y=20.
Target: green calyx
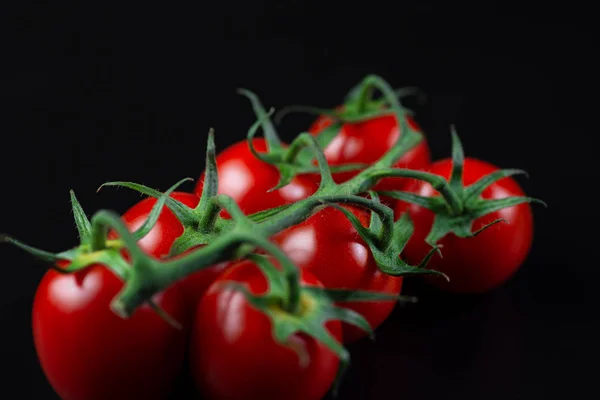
x=294, y=308
x=290, y=161
x=360, y=106
x=202, y=223
x=459, y=206
x=387, y=238
x=95, y=249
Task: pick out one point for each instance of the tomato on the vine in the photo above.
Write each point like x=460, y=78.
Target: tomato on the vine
x=167, y=229
x=234, y=354
x=476, y=264
x=159, y=240
x=328, y=246
x=367, y=141
x=248, y=180
x=89, y=353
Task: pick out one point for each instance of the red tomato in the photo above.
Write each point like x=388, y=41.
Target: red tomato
x=195, y=285
x=89, y=353
x=480, y=263
x=234, y=356
x=366, y=142
x=167, y=229
x=159, y=240
x=328, y=246
x=247, y=179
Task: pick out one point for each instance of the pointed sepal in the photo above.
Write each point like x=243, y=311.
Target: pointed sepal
x=149, y=223
x=183, y=213
x=210, y=186
x=84, y=227
x=297, y=160
x=271, y=137
x=42, y=255
x=316, y=308
x=387, y=256
x=459, y=206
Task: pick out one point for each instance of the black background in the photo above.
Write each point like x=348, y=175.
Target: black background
x=106, y=93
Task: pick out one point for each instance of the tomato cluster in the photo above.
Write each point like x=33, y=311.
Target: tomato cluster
x=88, y=352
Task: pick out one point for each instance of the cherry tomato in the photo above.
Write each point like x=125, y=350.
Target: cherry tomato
x=328, y=246
x=234, y=355
x=483, y=262
x=247, y=180
x=159, y=240
x=195, y=285
x=89, y=353
x=167, y=229
x=366, y=142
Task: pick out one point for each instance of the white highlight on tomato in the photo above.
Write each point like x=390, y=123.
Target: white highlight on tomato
x=229, y=303
x=235, y=179
x=154, y=236
x=334, y=146
x=300, y=245
x=75, y=295
x=359, y=253
x=293, y=192
x=393, y=138
x=352, y=147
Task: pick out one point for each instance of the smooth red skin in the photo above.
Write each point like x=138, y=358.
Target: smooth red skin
x=233, y=354
x=328, y=246
x=89, y=353
x=167, y=229
x=159, y=240
x=195, y=285
x=366, y=142
x=247, y=180
x=481, y=263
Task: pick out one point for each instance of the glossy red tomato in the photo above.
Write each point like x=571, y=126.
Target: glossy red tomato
x=234, y=356
x=159, y=240
x=366, y=142
x=167, y=229
x=483, y=262
x=327, y=245
x=247, y=179
x=89, y=353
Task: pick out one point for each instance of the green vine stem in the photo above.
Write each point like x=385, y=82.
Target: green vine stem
x=236, y=238
x=198, y=230
x=230, y=239
x=242, y=235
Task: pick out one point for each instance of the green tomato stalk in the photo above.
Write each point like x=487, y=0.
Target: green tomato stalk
x=243, y=235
